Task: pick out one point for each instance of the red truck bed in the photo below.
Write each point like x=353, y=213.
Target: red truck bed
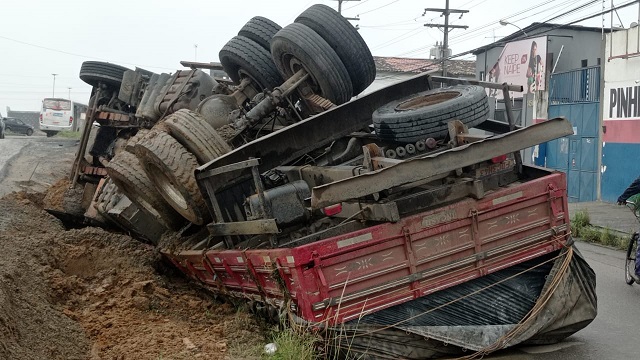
x=343, y=277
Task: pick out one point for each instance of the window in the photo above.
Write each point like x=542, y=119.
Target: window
x=598, y=61
x=584, y=63
x=482, y=76
x=58, y=105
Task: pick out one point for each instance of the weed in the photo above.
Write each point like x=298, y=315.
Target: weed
x=293, y=346
x=581, y=228
x=581, y=219
x=69, y=134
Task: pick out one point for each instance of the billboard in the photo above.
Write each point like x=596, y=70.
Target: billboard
x=521, y=62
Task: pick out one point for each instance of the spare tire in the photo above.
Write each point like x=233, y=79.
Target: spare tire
x=96, y=72
x=427, y=114
x=127, y=173
x=260, y=30
x=296, y=46
x=170, y=167
x=194, y=133
x=242, y=57
x=345, y=41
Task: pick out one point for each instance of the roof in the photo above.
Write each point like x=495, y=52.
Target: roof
x=534, y=30
x=31, y=117
x=412, y=65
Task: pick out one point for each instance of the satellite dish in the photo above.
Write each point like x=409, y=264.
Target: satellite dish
x=633, y=24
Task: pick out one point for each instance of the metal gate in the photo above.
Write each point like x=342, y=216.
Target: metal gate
x=575, y=95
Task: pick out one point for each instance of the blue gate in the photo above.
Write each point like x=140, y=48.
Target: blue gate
x=575, y=95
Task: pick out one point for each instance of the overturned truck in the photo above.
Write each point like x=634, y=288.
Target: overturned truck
x=382, y=222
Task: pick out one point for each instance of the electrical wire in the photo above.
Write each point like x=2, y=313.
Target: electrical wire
x=530, y=34
x=358, y=4
x=378, y=8
x=80, y=55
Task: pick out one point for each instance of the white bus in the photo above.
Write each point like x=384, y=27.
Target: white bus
x=59, y=115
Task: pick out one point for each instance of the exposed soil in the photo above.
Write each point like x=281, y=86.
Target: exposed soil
x=90, y=294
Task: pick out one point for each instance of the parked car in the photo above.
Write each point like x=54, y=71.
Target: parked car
x=1, y=128
x=18, y=126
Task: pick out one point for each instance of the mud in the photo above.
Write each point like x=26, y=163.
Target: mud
x=91, y=294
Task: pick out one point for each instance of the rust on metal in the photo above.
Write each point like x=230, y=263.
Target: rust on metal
x=443, y=162
x=252, y=227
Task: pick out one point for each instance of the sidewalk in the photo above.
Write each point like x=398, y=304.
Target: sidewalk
x=607, y=215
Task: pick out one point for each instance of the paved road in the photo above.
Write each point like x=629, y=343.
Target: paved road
x=34, y=162
x=614, y=333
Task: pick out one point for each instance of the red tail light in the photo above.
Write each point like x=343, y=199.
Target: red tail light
x=40, y=117
x=70, y=120
x=332, y=210
x=499, y=159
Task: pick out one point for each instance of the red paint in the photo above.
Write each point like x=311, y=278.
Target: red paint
x=437, y=248
x=622, y=131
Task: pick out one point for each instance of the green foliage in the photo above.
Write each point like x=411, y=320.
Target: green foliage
x=70, y=134
x=581, y=228
x=293, y=346
x=581, y=219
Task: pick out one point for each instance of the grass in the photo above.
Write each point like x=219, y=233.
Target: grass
x=581, y=228
x=293, y=346
x=69, y=134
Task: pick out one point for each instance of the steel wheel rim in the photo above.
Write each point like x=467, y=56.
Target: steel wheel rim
x=166, y=185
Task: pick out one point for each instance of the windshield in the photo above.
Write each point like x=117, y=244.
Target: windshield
x=59, y=105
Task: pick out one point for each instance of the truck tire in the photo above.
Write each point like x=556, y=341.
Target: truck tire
x=345, y=40
x=128, y=175
x=170, y=167
x=242, y=57
x=96, y=72
x=427, y=114
x=108, y=196
x=296, y=46
x=260, y=30
x=194, y=133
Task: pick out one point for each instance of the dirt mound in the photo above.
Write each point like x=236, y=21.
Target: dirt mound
x=90, y=294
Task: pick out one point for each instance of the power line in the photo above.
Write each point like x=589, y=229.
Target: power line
x=445, y=45
x=622, y=6
x=78, y=55
x=378, y=8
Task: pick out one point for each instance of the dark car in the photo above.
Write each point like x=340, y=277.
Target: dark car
x=1, y=128
x=17, y=126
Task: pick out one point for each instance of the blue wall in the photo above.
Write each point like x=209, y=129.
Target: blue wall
x=622, y=162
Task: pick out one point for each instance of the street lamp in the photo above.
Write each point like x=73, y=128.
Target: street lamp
x=69, y=92
x=505, y=23
x=54, y=85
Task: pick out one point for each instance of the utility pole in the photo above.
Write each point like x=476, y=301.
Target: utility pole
x=69, y=92
x=54, y=85
x=447, y=27
x=340, y=9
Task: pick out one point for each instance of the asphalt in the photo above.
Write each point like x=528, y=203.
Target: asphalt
x=607, y=215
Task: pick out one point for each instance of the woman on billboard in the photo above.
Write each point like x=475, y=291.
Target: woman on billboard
x=535, y=69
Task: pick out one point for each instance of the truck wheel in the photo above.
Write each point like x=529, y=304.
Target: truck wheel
x=298, y=47
x=242, y=58
x=345, y=40
x=96, y=72
x=426, y=114
x=260, y=30
x=170, y=167
x=107, y=198
x=194, y=133
x=129, y=176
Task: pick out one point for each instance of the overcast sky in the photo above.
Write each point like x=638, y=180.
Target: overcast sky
x=42, y=37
